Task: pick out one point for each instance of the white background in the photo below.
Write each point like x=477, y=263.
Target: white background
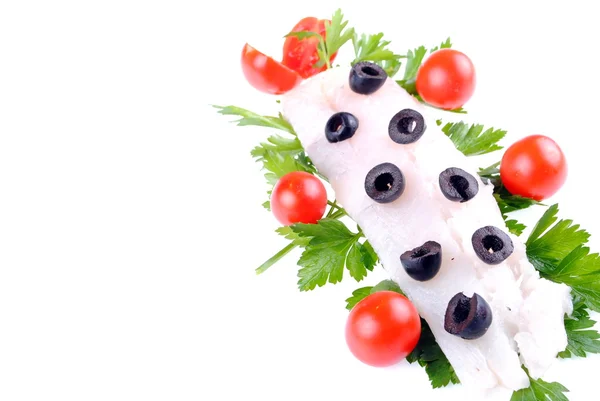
x=130, y=217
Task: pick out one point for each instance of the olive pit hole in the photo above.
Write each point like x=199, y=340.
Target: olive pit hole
x=420, y=253
x=461, y=185
x=462, y=310
x=384, y=182
x=493, y=243
x=407, y=125
x=368, y=70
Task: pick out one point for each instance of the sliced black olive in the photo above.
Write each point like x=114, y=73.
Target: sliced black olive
x=367, y=77
x=424, y=262
x=492, y=245
x=384, y=183
x=468, y=318
x=458, y=185
x=407, y=126
x=341, y=126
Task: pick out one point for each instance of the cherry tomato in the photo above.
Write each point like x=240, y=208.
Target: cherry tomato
x=298, y=197
x=446, y=79
x=383, y=329
x=266, y=74
x=534, y=167
x=301, y=54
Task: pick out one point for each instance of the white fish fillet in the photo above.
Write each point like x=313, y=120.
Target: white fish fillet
x=528, y=311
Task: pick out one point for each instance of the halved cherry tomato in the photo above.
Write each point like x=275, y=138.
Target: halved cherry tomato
x=301, y=54
x=298, y=197
x=383, y=329
x=266, y=74
x=446, y=79
x=534, y=167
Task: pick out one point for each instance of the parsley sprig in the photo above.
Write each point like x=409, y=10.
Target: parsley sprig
x=558, y=251
x=336, y=35
x=374, y=48
x=583, y=339
x=472, y=140
x=540, y=390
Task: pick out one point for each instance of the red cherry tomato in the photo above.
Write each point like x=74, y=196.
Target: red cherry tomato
x=266, y=74
x=534, y=167
x=298, y=197
x=446, y=79
x=301, y=54
x=383, y=329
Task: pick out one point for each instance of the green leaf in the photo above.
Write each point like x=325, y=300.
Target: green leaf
x=369, y=256
x=357, y=296
x=445, y=45
x=515, y=227
x=355, y=263
x=549, y=244
x=361, y=293
x=336, y=34
x=414, y=59
x=582, y=341
x=374, y=48
x=556, y=249
x=248, y=117
x=289, y=234
x=303, y=35
x=331, y=248
x=540, y=390
x=387, y=285
x=473, y=140
x=429, y=355
x=280, y=156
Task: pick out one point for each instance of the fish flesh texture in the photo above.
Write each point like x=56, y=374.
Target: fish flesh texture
x=528, y=311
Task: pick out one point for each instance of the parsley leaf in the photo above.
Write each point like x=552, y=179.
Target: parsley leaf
x=361, y=293
x=414, y=59
x=472, y=140
x=429, y=355
x=541, y=390
x=336, y=34
x=515, y=227
x=387, y=285
x=447, y=44
x=248, y=117
x=374, y=48
x=280, y=156
x=581, y=341
x=558, y=252
x=357, y=296
x=548, y=245
x=331, y=248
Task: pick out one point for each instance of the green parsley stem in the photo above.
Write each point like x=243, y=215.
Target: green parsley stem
x=276, y=258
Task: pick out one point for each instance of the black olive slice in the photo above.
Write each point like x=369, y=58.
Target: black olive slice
x=366, y=78
x=457, y=185
x=492, y=245
x=424, y=262
x=468, y=318
x=384, y=183
x=341, y=126
x=407, y=126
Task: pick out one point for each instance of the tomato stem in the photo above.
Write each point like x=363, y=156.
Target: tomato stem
x=276, y=258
